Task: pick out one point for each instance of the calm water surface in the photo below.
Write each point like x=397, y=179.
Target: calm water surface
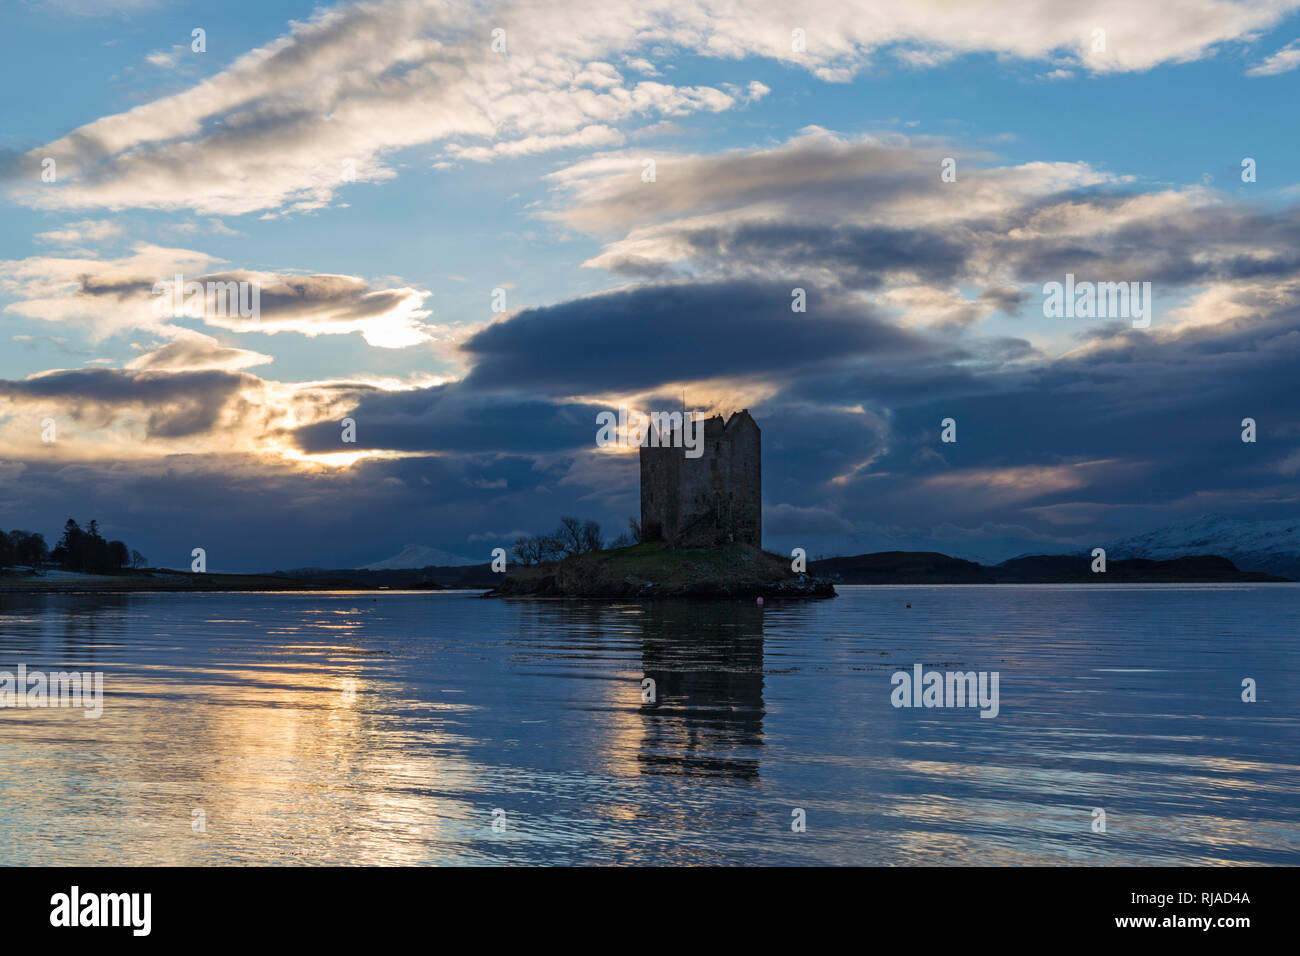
x=1121, y=698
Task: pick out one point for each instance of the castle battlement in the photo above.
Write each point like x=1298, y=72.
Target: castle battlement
x=714, y=499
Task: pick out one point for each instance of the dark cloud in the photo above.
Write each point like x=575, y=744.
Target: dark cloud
x=647, y=336
x=1183, y=243
x=337, y=298
x=862, y=257
x=122, y=289
x=447, y=418
x=174, y=405
x=789, y=520
x=1005, y=298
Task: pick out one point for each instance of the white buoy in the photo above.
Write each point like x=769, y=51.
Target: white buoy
x=760, y=600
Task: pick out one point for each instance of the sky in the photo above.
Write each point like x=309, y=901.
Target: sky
x=472, y=227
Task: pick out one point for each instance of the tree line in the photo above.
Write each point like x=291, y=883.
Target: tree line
x=572, y=537
x=77, y=550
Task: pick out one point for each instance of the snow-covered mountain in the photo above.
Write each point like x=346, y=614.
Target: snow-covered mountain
x=420, y=556
x=1272, y=546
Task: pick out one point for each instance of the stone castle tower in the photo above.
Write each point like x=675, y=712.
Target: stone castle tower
x=714, y=499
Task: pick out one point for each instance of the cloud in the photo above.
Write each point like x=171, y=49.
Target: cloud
x=788, y=519
x=189, y=397
x=588, y=137
x=269, y=132
x=449, y=418
x=169, y=405
x=313, y=305
x=698, y=200
x=652, y=335
x=88, y=230
x=1283, y=61
x=105, y=296
x=139, y=292
x=161, y=59
x=194, y=351
x=870, y=217
x=349, y=87
x=1023, y=482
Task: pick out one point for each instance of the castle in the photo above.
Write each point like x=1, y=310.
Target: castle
x=716, y=498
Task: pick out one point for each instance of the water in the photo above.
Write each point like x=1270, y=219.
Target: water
x=240, y=706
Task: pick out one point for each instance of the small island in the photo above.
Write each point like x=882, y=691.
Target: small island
x=653, y=570
x=699, y=536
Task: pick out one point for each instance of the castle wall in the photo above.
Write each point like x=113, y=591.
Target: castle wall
x=745, y=508
x=660, y=493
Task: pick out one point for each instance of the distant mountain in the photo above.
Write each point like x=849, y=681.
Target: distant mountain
x=1270, y=546
x=926, y=567
x=884, y=567
x=420, y=556
x=1077, y=569
x=895, y=567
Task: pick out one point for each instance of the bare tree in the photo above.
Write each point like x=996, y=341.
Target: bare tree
x=549, y=548
x=528, y=550
x=569, y=536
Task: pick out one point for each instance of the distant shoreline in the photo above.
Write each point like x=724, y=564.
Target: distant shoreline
x=166, y=582
x=923, y=567
x=889, y=568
